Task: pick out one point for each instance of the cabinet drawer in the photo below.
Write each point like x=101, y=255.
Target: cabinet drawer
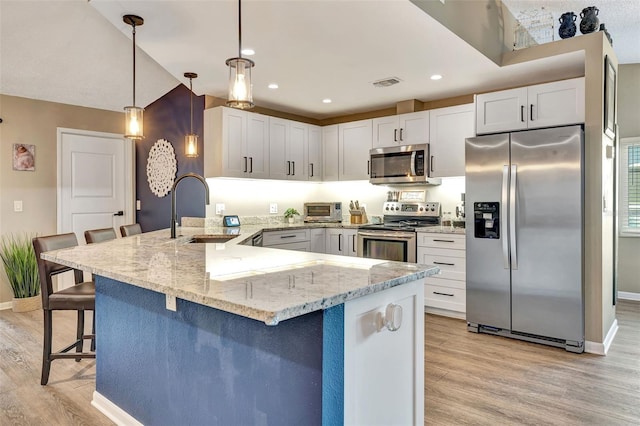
x=451, y=268
x=443, y=282
x=453, y=299
x=299, y=246
x=281, y=237
x=448, y=241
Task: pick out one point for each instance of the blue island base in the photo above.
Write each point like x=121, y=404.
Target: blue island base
x=203, y=366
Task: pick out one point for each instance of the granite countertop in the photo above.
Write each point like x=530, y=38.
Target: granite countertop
x=269, y=285
x=441, y=230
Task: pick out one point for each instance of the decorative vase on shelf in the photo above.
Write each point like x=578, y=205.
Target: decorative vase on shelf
x=567, y=25
x=590, y=21
x=602, y=28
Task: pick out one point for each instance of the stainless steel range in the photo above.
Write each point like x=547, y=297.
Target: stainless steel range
x=395, y=239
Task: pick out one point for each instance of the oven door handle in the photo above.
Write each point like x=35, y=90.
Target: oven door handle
x=389, y=235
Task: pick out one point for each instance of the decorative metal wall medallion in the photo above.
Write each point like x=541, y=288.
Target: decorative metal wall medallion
x=161, y=167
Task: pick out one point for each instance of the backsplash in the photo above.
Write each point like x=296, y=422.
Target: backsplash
x=250, y=199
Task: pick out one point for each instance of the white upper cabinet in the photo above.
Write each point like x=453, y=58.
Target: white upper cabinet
x=314, y=162
x=449, y=127
x=330, y=152
x=404, y=129
x=288, y=147
x=354, y=144
x=236, y=143
x=542, y=105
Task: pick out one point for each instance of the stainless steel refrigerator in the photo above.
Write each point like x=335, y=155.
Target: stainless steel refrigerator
x=524, y=235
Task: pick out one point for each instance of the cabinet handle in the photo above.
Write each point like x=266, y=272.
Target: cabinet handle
x=368, y=167
x=288, y=168
x=395, y=135
x=293, y=164
x=311, y=167
x=444, y=241
x=522, y=113
x=443, y=263
x=443, y=294
x=353, y=243
x=339, y=242
x=119, y=213
x=401, y=134
x=245, y=164
x=287, y=236
x=250, y=164
x=531, y=112
x=431, y=164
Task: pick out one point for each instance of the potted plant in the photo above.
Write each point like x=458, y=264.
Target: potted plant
x=21, y=267
x=290, y=213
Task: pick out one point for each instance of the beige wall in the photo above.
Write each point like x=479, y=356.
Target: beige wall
x=629, y=122
x=35, y=122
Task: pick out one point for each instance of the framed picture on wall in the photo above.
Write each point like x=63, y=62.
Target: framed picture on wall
x=609, y=98
x=24, y=157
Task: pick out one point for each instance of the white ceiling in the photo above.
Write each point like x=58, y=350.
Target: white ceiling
x=66, y=51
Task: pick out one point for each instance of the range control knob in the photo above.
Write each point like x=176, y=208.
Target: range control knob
x=432, y=209
x=397, y=208
x=421, y=208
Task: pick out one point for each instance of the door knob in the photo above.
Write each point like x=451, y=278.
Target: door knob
x=119, y=213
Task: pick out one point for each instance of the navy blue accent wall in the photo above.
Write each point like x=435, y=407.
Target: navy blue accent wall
x=201, y=365
x=168, y=118
x=333, y=366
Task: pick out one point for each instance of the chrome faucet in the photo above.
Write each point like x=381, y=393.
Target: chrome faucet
x=174, y=218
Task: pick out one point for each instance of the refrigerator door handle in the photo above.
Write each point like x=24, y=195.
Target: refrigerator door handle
x=512, y=216
x=503, y=216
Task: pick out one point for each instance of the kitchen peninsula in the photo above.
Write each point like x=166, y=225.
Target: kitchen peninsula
x=256, y=335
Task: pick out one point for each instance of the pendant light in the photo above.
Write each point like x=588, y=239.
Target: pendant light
x=191, y=140
x=240, y=90
x=134, y=124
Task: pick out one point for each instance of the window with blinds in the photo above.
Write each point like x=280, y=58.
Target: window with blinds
x=630, y=186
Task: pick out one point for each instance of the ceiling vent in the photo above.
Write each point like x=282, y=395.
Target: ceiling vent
x=386, y=82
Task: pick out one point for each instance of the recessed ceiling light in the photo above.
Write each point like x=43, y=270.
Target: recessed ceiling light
x=273, y=86
x=436, y=77
x=326, y=101
x=248, y=52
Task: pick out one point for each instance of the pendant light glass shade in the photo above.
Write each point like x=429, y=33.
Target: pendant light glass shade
x=134, y=122
x=240, y=87
x=191, y=140
x=191, y=145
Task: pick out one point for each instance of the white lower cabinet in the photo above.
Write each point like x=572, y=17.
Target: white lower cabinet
x=444, y=293
x=298, y=239
x=394, y=395
x=341, y=241
x=318, y=242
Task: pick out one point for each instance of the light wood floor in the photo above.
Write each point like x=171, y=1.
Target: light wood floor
x=470, y=378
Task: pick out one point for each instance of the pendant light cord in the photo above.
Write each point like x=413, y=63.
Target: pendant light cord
x=191, y=101
x=134, y=64
x=239, y=28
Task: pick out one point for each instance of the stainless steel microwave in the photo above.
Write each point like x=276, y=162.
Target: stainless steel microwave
x=408, y=164
x=329, y=211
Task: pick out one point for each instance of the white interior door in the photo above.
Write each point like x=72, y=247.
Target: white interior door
x=95, y=181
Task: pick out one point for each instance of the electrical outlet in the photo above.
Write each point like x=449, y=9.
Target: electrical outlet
x=273, y=208
x=138, y=205
x=171, y=303
x=17, y=206
x=220, y=208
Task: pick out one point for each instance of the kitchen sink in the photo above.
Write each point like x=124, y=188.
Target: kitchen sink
x=212, y=238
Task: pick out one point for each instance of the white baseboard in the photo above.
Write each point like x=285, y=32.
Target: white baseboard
x=627, y=295
x=5, y=305
x=111, y=410
x=602, y=348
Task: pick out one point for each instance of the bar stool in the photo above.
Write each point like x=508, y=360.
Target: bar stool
x=80, y=297
x=99, y=235
x=128, y=230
